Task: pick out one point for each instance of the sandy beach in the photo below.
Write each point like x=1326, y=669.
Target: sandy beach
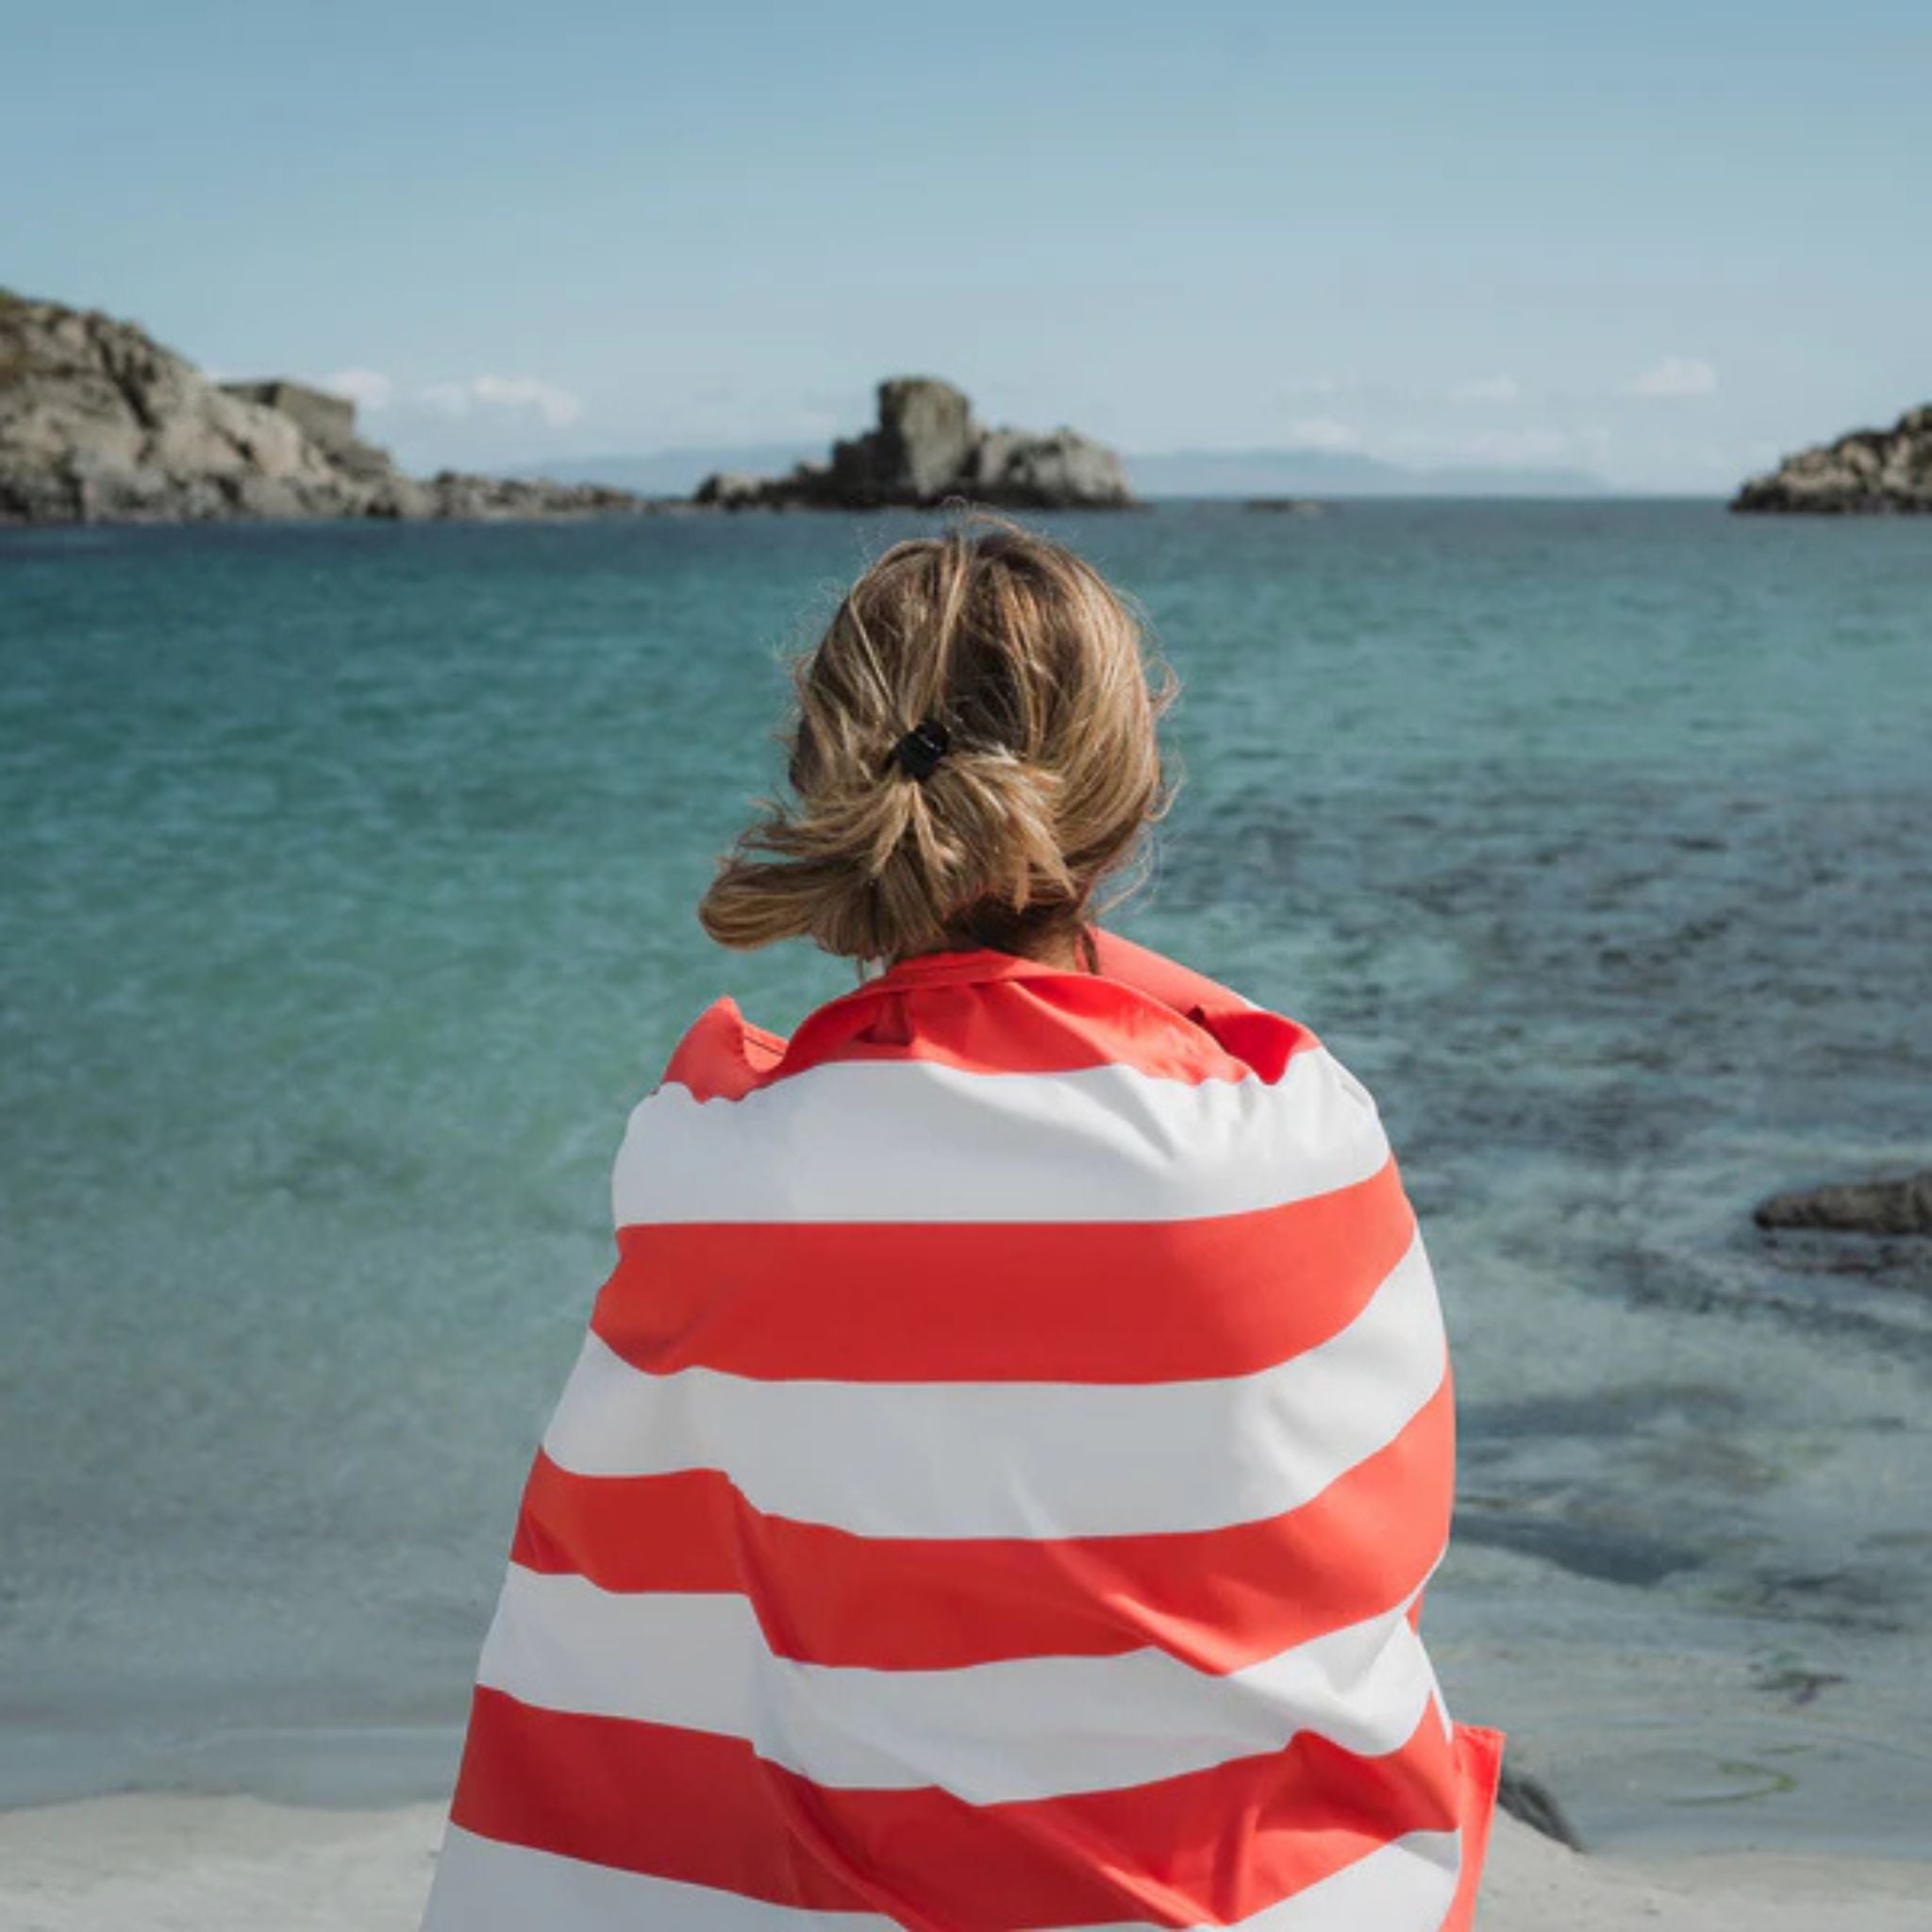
x=172, y=1864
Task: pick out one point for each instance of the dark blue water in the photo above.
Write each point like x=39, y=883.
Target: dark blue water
x=347, y=877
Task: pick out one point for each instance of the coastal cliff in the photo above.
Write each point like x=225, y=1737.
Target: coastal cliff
x=927, y=446
x=1870, y=470
x=101, y=424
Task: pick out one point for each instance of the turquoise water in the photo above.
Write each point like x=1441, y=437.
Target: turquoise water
x=347, y=879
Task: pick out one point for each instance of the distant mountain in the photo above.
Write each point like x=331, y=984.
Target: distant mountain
x=1338, y=473
x=1160, y=472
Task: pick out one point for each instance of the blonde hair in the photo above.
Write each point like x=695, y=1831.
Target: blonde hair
x=1048, y=695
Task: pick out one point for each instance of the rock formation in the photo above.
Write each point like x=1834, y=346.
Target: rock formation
x=927, y=446
x=329, y=419
x=462, y=497
x=1868, y=469
x=1530, y=1801
x=100, y=423
x=1902, y=1206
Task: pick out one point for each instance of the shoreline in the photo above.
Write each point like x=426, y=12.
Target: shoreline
x=241, y=1864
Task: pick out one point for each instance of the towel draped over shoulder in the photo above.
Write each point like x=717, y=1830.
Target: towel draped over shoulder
x=996, y=1491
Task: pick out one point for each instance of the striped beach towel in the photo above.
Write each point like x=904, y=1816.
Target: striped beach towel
x=996, y=1491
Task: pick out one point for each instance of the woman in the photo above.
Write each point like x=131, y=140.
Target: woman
x=999, y=1482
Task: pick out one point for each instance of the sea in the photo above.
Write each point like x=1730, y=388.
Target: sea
x=347, y=889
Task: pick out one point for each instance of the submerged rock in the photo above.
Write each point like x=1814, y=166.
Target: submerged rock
x=1900, y=1205
x=925, y=447
x=101, y=424
x=1870, y=470
x=1532, y=1802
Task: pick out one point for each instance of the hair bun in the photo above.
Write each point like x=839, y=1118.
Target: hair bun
x=919, y=752
x=1053, y=768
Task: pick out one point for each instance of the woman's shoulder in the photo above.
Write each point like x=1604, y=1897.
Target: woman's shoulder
x=986, y=1088
x=721, y=1055
x=980, y=1011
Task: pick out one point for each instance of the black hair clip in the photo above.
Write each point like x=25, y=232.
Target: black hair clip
x=919, y=752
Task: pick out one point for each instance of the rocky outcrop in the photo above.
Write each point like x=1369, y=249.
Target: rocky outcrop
x=926, y=448
x=1531, y=1801
x=1902, y=1206
x=329, y=419
x=456, y=494
x=1868, y=469
x=100, y=423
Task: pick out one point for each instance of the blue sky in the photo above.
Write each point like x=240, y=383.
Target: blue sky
x=1663, y=243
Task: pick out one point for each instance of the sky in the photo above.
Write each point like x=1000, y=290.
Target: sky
x=1661, y=243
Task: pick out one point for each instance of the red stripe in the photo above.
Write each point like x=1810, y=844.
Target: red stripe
x=722, y=1056
x=1218, y=1598
x=1214, y=1845
x=1013, y=1017
x=997, y=1301
x=1166, y=980
x=1480, y=1759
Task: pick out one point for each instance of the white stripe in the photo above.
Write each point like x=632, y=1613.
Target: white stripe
x=1405, y=1885
x=485, y=1885
x=993, y=1733
x=1034, y=1459
x=917, y=1141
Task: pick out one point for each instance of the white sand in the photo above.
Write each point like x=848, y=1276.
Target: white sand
x=161, y=1864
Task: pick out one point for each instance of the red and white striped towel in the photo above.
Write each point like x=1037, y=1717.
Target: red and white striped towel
x=996, y=1491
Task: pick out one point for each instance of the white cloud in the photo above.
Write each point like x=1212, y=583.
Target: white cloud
x=558, y=406
x=1486, y=388
x=1311, y=386
x=1675, y=376
x=368, y=389
x=1323, y=432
